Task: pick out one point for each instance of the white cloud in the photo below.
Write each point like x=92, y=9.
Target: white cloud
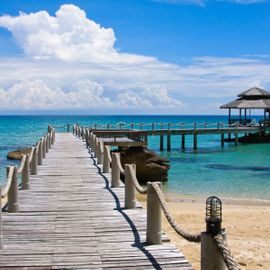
x=52, y=76
x=69, y=35
x=32, y=95
x=83, y=94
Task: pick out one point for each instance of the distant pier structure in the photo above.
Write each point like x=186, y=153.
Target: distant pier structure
x=252, y=99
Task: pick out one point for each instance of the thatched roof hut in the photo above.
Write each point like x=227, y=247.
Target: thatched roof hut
x=254, y=98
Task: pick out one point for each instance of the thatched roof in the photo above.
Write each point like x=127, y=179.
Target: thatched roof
x=254, y=92
x=253, y=98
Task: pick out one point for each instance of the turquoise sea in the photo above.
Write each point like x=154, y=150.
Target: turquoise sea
x=237, y=172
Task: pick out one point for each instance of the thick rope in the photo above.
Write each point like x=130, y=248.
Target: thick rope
x=190, y=237
x=227, y=256
x=9, y=181
x=122, y=171
x=138, y=187
x=20, y=169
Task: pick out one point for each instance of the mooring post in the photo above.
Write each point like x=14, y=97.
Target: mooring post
x=130, y=192
x=50, y=140
x=154, y=222
x=183, y=142
x=1, y=230
x=25, y=173
x=34, y=162
x=13, y=193
x=195, y=139
x=115, y=172
x=94, y=145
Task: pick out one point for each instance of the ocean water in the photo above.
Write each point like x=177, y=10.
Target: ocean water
x=237, y=172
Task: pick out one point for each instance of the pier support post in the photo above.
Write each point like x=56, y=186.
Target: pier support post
x=40, y=154
x=13, y=193
x=25, y=173
x=183, y=142
x=229, y=136
x=236, y=135
x=130, y=192
x=169, y=141
x=195, y=140
x=115, y=172
x=222, y=139
x=161, y=146
x=211, y=258
x=34, y=162
x=154, y=222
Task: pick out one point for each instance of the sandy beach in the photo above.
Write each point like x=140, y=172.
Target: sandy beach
x=246, y=223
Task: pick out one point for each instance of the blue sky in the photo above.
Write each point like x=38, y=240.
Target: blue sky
x=131, y=56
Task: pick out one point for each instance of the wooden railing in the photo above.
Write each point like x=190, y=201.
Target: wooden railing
x=215, y=253
x=168, y=125
x=28, y=165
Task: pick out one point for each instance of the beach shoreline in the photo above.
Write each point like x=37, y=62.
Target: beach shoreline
x=246, y=223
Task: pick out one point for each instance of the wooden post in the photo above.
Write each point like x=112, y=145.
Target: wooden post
x=25, y=173
x=169, y=141
x=1, y=229
x=153, y=126
x=183, y=142
x=161, y=146
x=40, y=155
x=47, y=143
x=211, y=258
x=34, y=162
x=44, y=147
x=154, y=222
x=50, y=140
x=94, y=145
x=68, y=128
x=236, y=135
x=99, y=153
x=115, y=172
x=146, y=138
x=195, y=139
x=106, y=161
x=222, y=139
x=130, y=191
x=13, y=193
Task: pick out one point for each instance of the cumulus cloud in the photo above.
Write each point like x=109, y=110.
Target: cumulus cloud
x=31, y=95
x=69, y=35
x=82, y=94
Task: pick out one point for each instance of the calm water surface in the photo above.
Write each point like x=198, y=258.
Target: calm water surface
x=239, y=172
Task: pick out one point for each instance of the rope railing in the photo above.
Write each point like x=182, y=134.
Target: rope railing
x=178, y=229
x=155, y=204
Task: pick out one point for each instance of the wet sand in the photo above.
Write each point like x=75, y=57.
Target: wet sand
x=247, y=224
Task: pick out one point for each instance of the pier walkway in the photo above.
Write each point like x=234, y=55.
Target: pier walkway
x=70, y=218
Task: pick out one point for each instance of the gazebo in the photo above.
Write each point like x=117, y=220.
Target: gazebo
x=254, y=98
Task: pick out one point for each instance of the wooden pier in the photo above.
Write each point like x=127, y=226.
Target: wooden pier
x=69, y=217
x=140, y=132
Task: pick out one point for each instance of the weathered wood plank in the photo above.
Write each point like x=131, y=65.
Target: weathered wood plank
x=71, y=219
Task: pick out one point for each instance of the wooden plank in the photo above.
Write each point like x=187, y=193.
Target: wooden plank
x=71, y=219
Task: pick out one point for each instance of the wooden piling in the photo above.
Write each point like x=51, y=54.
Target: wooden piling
x=161, y=143
x=13, y=193
x=169, y=141
x=183, y=141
